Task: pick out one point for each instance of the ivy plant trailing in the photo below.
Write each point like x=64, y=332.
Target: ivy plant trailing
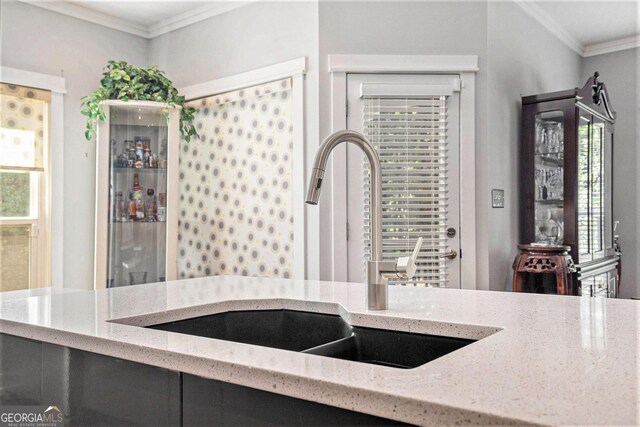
x=127, y=82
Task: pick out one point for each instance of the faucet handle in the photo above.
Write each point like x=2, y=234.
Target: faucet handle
x=406, y=265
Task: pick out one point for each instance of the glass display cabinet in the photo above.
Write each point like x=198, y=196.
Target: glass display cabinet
x=136, y=194
x=566, y=163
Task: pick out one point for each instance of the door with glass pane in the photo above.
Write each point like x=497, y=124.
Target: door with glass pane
x=549, y=177
x=24, y=168
x=136, y=195
x=595, y=234
x=413, y=122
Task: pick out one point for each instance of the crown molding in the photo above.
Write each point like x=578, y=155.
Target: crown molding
x=192, y=16
x=612, y=46
x=181, y=20
x=551, y=24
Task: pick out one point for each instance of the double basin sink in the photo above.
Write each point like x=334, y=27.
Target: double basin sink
x=319, y=334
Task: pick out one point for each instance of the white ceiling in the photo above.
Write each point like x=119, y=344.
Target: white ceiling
x=146, y=18
x=589, y=27
x=592, y=22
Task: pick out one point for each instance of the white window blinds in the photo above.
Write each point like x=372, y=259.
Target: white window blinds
x=410, y=135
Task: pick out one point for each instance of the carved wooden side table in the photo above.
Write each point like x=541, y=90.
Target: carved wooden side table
x=544, y=260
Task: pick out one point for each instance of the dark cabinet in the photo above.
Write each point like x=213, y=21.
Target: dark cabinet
x=96, y=390
x=566, y=169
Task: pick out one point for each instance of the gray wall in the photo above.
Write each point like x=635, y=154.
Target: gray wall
x=403, y=28
x=517, y=56
x=254, y=36
x=37, y=40
x=523, y=59
x=621, y=73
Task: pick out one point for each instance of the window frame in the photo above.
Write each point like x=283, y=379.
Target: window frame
x=465, y=66
x=38, y=218
x=48, y=264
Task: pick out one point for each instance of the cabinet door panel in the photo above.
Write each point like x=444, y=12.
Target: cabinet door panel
x=584, y=196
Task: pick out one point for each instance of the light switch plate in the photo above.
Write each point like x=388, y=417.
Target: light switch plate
x=497, y=198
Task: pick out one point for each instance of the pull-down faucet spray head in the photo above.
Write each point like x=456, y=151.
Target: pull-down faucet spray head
x=313, y=193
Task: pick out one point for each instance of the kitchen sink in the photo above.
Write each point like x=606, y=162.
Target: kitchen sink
x=284, y=329
x=320, y=334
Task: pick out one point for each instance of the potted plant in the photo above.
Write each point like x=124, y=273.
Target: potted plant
x=126, y=82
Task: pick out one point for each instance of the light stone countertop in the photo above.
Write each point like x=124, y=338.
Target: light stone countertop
x=541, y=359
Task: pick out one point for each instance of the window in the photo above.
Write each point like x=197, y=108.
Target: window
x=236, y=187
x=24, y=133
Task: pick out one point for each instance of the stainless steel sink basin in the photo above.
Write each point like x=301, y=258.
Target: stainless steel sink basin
x=319, y=334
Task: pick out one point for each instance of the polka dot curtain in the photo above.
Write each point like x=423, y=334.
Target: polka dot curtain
x=23, y=118
x=235, y=210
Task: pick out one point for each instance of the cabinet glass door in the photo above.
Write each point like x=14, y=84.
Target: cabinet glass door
x=594, y=188
x=549, y=177
x=138, y=196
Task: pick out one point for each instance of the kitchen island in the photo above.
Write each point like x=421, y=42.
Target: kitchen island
x=536, y=359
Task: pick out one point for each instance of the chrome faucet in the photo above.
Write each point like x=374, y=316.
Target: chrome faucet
x=378, y=271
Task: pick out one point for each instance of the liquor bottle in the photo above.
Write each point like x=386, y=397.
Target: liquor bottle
x=132, y=207
x=139, y=152
x=138, y=197
x=146, y=142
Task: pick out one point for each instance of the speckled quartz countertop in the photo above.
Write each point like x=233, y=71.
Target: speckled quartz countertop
x=542, y=359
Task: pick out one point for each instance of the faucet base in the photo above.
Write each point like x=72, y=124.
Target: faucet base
x=377, y=291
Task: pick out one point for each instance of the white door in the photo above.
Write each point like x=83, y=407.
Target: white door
x=413, y=122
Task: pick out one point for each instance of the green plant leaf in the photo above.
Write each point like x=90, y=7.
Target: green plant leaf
x=125, y=82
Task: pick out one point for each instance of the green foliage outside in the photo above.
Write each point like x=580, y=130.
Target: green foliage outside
x=14, y=194
x=127, y=82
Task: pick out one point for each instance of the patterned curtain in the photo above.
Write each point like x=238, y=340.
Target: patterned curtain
x=235, y=213
x=23, y=115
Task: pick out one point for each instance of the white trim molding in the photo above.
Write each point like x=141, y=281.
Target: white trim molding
x=193, y=16
x=465, y=66
x=551, y=24
x=76, y=10
x=402, y=63
x=267, y=74
x=612, y=46
x=296, y=70
x=57, y=86
x=547, y=21
x=31, y=79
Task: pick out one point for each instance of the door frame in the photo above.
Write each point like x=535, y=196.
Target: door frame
x=465, y=66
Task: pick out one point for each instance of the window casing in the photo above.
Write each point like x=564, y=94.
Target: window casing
x=24, y=177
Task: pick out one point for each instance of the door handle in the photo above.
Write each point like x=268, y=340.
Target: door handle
x=450, y=254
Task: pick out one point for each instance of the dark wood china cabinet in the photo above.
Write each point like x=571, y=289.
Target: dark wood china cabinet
x=566, y=165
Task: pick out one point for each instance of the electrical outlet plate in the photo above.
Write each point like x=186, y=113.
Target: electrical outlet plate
x=497, y=198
